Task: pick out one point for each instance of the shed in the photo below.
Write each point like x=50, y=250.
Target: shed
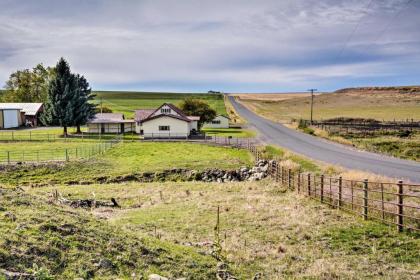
x=10, y=117
x=220, y=121
x=31, y=111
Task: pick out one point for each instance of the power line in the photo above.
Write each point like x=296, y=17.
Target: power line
x=380, y=34
x=353, y=32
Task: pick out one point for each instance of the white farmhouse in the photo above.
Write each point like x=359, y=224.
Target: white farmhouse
x=219, y=121
x=165, y=121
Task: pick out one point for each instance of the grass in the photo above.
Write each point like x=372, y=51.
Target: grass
x=292, y=160
x=377, y=105
x=234, y=132
x=50, y=241
x=129, y=159
x=263, y=228
x=127, y=102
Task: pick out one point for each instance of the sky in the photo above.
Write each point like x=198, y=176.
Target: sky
x=227, y=45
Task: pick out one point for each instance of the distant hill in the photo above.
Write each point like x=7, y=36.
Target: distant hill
x=399, y=89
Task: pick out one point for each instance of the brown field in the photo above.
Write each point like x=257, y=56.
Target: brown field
x=381, y=104
x=272, y=96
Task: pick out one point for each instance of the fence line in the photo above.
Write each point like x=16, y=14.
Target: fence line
x=58, y=154
x=396, y=204
x=14, y=136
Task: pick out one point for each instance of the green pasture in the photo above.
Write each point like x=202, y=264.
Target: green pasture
x=127, y=102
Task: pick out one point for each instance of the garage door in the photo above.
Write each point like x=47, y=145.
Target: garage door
x=10, y=118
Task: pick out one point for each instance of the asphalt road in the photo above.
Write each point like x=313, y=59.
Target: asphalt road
x=327, y=151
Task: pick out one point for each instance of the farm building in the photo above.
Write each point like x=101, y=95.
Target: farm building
x=31, y=112
x=10, y=117
x=110, y=123
x=165, y=121
x=219, y=121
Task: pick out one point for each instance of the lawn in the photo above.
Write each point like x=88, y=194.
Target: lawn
x=127, y=102
x=234, y=132
x=263, y=228
x=34, y=151
x=130, y=159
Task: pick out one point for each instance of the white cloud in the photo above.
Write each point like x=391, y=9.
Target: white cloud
x=252, y=43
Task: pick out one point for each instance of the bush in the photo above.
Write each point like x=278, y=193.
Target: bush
x=309, y=130
x=302, y=124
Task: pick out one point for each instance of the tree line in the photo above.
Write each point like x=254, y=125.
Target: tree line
x=66, y=95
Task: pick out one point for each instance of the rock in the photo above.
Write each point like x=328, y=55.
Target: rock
x=156, y=277
x=106, y=264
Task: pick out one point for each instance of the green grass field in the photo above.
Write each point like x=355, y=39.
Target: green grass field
x=129, y=159
x=263, y=228
x=127, y=102
x=234, y=132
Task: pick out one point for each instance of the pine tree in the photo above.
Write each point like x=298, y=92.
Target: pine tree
x=60, y=107
x=84, y=110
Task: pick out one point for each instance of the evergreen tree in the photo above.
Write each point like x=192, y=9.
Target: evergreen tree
x=84, y=110
x=60, y=107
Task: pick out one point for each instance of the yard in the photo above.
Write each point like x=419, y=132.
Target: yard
x=226, y=132
x=128, y=159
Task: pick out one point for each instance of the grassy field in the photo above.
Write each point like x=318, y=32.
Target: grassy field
x=263, y=229
x=130, y=159
x=380, y=105
x=127, y=102
x=234, y=132
x=49, y=241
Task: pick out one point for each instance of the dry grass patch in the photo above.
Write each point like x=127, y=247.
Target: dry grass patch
x=263, y=228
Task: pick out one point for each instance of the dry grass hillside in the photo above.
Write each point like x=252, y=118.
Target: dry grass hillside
x=386, y=103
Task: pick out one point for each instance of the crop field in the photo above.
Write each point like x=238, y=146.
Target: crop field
x=359, y=104
x=127, y=102
x=263, y=228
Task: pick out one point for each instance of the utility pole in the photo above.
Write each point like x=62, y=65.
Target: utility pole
x=312, y=102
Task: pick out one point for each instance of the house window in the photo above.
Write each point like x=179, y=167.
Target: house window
x=165, y=110
x=215, y=122
x=164, y=128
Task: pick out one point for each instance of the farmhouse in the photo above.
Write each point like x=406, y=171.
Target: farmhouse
x=220, y=121
x=110, y=123
x=30, y=112
x=165, y=121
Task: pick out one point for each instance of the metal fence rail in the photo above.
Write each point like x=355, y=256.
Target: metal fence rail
x=58, y=154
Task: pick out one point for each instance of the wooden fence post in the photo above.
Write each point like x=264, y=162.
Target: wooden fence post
x=309, y=184
x=67, y=155
x=289, y=178
x=365, y=199
x=340, y=191
x=298, y=181
x=400, y=220
x=8, y=157
x=322, y=188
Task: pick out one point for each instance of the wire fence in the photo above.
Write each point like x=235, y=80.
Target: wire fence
x=25, y=136
x=58, y=154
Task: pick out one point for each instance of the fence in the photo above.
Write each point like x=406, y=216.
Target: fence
x=396, y=204
x=59, y=154
x=365, y=127
x=14, y=136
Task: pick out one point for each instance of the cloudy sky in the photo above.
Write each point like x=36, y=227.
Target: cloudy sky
x=232, y=46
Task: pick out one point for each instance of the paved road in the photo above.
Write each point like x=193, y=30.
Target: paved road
x=327, y=151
